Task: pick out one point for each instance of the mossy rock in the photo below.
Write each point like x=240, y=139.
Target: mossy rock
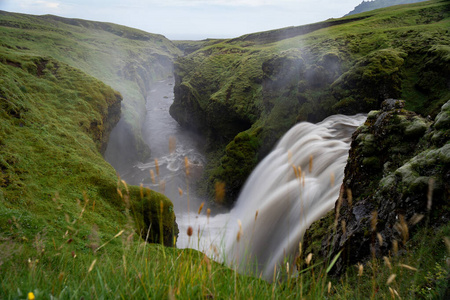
x=239, y=160
x=153, y=215
x=395, y=182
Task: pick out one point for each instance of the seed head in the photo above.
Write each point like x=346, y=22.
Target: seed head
x=157, y=166
x=360, y=269
x=395, y=247
x=190, y=231
x=172, y=144
x=407, y=267
x=239, y=234
x=152, y=176
x=200, y=208
x=374, y=220
x=380, y=238
x=387, y=262
x=220, y=191
x=186, y=165
x=390, y=279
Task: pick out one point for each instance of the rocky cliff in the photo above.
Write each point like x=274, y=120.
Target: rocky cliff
x=397, y=180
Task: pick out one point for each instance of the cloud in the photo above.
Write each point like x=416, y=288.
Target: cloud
x=242, y=3
x=40, y=4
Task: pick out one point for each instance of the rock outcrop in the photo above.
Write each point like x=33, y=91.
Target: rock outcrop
x=397, y=177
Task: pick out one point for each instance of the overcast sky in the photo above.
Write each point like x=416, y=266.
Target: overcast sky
x=191, y=19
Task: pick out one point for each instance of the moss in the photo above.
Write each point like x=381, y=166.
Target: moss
x=235, y=165
x=154, y=216
x=416, y=128
x=372, y=162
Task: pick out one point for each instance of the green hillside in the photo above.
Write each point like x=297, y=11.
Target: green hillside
x=127, y=59
x=244, y=93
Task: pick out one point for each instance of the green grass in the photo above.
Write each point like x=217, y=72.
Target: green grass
x=55, y=186
x=126, y=268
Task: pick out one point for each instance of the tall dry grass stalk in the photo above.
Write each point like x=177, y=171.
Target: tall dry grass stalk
x=172, y=144
x=157, y=167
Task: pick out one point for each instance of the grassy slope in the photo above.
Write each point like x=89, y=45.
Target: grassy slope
x=127, y=59
x=347, y=65
x=59, y=199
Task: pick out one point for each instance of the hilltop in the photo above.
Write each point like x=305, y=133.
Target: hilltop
x=375, y=4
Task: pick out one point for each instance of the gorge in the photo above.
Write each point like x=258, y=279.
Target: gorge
x=202, y=134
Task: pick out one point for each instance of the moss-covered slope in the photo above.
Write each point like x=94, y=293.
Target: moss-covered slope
x=127, y=59
x=54, y=121
x=264, y=83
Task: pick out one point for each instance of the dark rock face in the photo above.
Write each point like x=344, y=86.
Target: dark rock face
x=397, y=176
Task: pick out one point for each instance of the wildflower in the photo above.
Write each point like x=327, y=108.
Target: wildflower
x=31, y=296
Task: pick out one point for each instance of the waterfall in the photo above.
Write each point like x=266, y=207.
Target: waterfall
x=277, y=204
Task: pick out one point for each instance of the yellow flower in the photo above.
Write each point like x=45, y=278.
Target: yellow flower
x=31, y=296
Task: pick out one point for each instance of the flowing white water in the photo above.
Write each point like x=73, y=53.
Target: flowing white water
x=286, y=207
x=286, y=203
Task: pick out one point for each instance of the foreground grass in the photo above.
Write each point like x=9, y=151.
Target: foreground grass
x=128, y=268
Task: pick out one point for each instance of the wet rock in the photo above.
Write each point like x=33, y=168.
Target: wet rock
x=398, y=169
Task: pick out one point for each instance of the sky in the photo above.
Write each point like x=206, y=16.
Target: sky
x=191, y=19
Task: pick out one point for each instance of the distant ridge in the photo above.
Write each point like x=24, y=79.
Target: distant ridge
x=375, y=4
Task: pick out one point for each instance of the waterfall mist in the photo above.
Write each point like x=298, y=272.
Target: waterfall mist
x=277, y=204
